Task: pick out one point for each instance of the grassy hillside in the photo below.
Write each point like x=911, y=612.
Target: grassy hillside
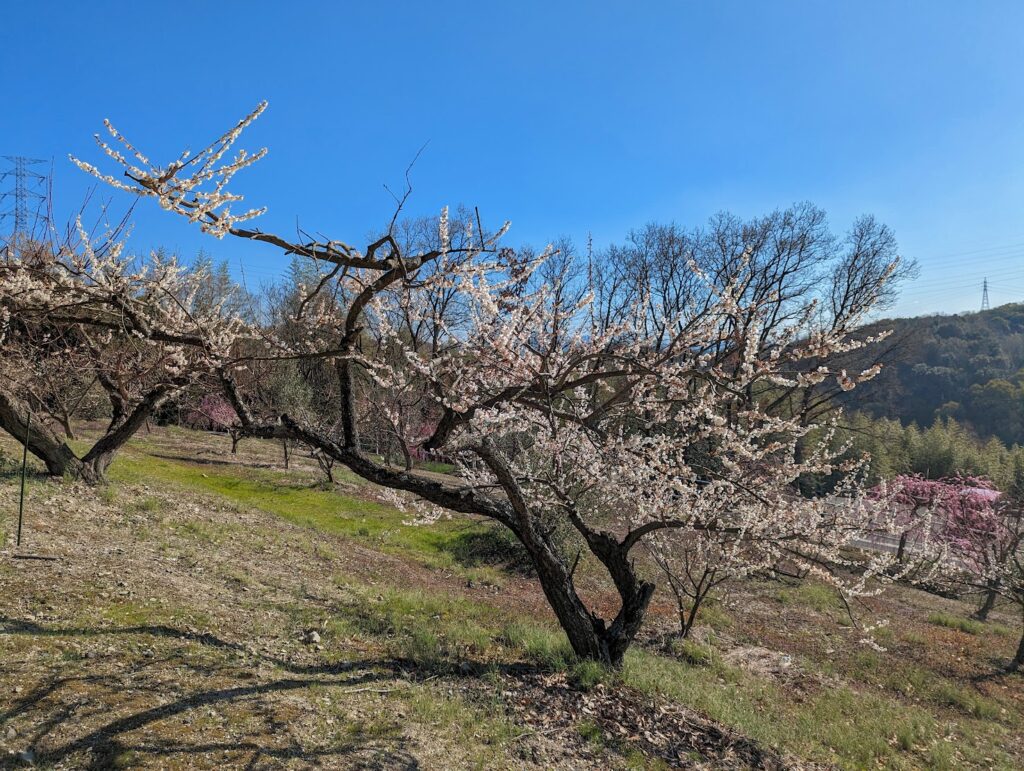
x=216, y=611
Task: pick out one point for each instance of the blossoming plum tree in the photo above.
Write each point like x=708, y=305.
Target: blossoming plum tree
x=584, y=433
x=134, y=326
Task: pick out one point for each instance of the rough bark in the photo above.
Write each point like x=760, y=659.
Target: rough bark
x=61, y=460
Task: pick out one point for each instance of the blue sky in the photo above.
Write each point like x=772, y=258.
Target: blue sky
x=567, y=118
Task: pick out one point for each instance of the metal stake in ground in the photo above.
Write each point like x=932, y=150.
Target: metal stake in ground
x=24, y=466
x=21, y=500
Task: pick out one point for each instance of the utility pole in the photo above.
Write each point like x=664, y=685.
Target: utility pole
x=984, y=295
x=27, y=186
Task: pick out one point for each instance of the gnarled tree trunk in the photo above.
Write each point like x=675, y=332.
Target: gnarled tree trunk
x=59, y=459
x=57, y=456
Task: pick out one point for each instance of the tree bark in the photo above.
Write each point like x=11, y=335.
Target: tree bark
x=981, y=614
x=101, y=455
x=59, y=459
x=902, y=548
x=1018, y=660
x=65, y=423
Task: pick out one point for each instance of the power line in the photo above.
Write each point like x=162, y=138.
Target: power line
x=28, y=185
x=984, y=295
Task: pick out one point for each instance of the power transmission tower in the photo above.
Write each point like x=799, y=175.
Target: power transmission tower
x=28, y=186
x=984, y=295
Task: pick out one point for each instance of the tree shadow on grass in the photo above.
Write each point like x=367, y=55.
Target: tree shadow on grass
x=82, y=718
x=107, y=745
x=11, y=472
x=195, y=460
x=122, y=714
x=492, y=546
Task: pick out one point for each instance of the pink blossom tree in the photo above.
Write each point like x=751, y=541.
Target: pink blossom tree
x=961, y=512
x=217, y=414
x=982, y=530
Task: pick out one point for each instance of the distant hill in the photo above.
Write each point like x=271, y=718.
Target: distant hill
x=968, y=366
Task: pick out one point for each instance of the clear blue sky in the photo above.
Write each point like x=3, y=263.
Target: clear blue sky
x=566, y=118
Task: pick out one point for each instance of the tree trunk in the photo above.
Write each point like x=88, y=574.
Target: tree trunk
x=1018, y=660
x=59, y=459
x=981, y=614
x=102, y=453
x=692, y=616
x=284, y=446
x=900, y=551
x=589, y=635
x=235, y=438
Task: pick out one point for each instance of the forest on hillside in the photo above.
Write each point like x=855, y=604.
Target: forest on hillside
x=967, y=367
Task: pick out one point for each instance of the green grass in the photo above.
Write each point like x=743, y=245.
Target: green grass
x=836, y=724
x=149, y=504
x=587, y=674
x=541, y=646
x=693, y=653
x=129, y=613
x=302, y=502
x=436, y=467
x=967, y=625
x=591, y=733
x=430, y=630
x=812, y=594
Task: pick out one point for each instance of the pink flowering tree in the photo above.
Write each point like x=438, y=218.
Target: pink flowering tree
x=988, y=553
x=982, y=533
x=585, y=433
x=974, y=525
x=216, y=413
x=984, y=530
x=964, y=514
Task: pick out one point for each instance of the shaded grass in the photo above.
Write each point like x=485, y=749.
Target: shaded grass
x=444, y=631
